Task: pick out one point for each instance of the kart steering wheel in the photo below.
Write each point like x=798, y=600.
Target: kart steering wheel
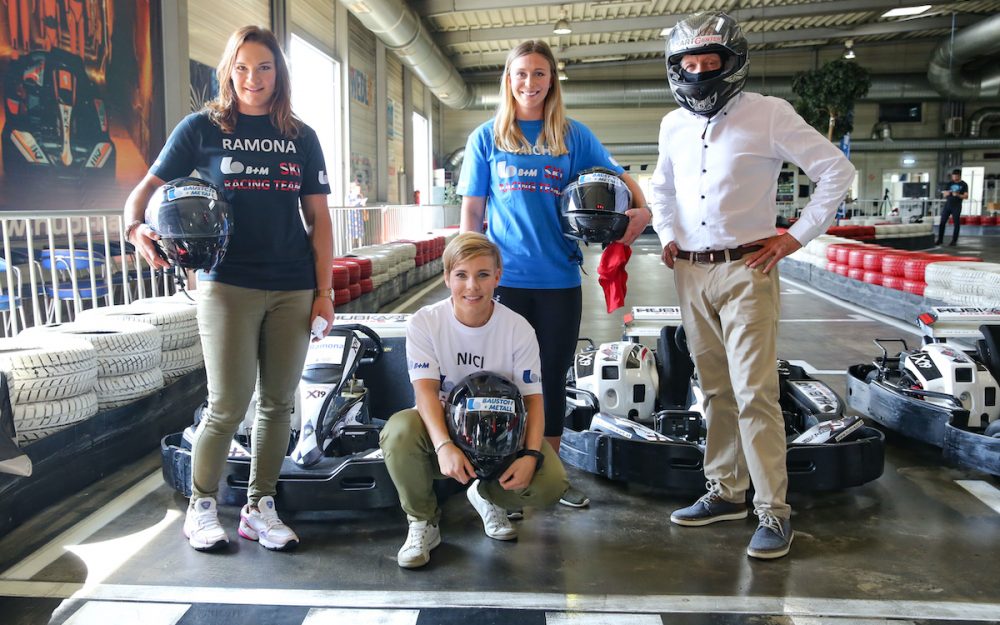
x=371, y=342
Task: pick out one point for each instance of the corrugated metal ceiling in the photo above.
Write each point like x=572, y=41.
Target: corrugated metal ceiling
x=477, y=34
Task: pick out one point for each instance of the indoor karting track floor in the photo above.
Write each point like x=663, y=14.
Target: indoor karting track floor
x=920, y=544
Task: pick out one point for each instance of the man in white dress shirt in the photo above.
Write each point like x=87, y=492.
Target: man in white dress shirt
x=714, y=211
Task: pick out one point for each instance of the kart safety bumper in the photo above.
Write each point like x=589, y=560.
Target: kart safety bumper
x=917, y=418
x=357, y=481
x=680, y=466
x=892, y=407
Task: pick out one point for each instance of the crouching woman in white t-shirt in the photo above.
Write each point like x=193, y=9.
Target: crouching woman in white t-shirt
x=445, y=342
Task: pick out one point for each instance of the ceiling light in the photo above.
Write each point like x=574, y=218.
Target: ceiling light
x=603, y=59
x=562, y=27
x=906, y=11
x=560, y=66
x=849, y=49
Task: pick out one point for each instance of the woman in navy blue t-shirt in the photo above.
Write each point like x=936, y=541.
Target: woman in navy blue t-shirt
x=256, y=307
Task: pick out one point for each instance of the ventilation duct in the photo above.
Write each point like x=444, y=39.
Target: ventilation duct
x=402, y=31
x=977, y=46
x=647, y=93
x=857, y=145
x=984, y=115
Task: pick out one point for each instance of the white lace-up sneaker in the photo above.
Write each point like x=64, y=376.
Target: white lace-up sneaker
x=416, y=551
x=263, y=525
x=494, y=517
x=201, y=525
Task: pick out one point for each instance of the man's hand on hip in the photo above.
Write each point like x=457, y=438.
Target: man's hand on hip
x=775, y=248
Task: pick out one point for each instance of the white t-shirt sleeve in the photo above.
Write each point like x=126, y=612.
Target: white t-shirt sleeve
x=421, y=358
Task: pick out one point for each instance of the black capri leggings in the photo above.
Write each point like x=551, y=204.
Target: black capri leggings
x=555, y=316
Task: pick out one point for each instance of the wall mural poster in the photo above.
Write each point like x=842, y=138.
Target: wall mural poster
x=82, y=91
x=204, y=85
x=360, y=86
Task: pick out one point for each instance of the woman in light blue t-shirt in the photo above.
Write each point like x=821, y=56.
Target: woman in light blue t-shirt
x=515, y=167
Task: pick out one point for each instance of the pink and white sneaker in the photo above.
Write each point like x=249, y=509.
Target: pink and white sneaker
x=263, y=525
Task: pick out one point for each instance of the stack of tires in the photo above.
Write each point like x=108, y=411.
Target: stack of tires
x=365, y=300
x=384, y=273
x=128, y=356
x=51, y=381
x=177, y=322
x=964, y=283
x=405, y=254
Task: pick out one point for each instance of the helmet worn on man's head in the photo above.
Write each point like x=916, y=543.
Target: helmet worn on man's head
x=194, y=222
x=487, y=420
x=593, y=206
x=705, y=33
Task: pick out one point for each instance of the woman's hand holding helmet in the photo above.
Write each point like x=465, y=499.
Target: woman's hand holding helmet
x=519, y=474
x=453, y=462
x=144, y=238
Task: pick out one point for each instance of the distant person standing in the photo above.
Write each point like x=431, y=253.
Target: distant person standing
x=954, y=195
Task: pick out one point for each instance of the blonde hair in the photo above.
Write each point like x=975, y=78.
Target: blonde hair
x=469, y=245
x=223, y=110
x=506, y=133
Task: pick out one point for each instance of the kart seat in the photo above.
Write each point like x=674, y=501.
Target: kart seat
x=991, y=354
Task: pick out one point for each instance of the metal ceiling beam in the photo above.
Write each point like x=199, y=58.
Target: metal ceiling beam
x=538, y=31
x=655, y=46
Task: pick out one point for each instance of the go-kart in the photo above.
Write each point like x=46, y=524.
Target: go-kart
x=634, y=415
x=56, y=121
x=353, y=381
x=940, y=393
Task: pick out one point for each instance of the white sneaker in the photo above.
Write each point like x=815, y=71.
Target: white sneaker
x=201, y=525
x=416, y=551
x=494, y=517
x=263, y=525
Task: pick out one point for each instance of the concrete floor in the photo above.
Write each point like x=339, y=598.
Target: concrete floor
x=914, y=546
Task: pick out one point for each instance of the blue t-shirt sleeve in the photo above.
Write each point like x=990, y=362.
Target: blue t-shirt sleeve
x=179, y=156
x=587, y=151
x=474, y=180
x=315, y=177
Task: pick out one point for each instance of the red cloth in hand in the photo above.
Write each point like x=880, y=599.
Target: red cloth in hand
x=612, y=276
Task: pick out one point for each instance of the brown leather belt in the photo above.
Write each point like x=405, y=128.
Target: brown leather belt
x=719, y=256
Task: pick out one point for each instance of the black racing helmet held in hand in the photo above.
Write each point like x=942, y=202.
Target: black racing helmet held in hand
x=487, y=420
x=194, y=222
x=705, y=33
x=592, y=206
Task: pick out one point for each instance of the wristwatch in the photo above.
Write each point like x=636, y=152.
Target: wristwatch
x=537, y=455
x=326, y=293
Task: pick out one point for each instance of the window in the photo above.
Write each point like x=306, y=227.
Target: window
x=316, y=100
x=422, y=160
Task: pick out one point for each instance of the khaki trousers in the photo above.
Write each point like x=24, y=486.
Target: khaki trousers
x=250, y=338
x=412, y=464
x=730, y=315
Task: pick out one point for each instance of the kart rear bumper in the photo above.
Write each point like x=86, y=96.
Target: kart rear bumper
x=679, y=466
x=354, y=482
x=924, y=421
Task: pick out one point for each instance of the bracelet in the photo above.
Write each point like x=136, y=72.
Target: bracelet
x=324, y=293
x=537, y=455
x=442, y=444
x=129, y=229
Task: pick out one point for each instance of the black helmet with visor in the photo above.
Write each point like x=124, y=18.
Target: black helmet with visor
x=593, y=206
x=706, y=93
x=194, y=222
x=487, y=420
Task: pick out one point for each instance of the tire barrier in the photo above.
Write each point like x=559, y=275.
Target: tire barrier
x=176, y=318
x=51, y=381
x=125, y=350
